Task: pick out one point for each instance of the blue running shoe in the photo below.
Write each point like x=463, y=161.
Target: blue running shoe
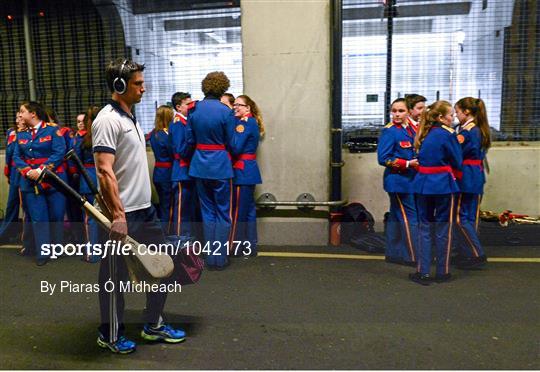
x=163, y=333
x=121, y=346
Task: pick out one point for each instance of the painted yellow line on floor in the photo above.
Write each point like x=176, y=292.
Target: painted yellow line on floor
x=7, y=246
x=320, y=255
x=514, y=259
x=380, y=258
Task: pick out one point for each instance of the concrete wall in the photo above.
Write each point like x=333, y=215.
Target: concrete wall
x=514, y=179
x=513, y=182
x=286, y=60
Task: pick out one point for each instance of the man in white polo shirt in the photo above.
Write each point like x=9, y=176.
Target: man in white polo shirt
x=121, y=165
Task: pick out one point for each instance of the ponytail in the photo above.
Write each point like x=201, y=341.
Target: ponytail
x=423, y=127
x=430, y=115
x=477, y=109
x=483, y=125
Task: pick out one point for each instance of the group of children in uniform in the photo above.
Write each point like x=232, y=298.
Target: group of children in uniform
x=227, y=213
x=206, y=170
x=434, y=177
x=37, y=142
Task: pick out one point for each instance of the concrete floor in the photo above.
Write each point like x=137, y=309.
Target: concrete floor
x=288, y=313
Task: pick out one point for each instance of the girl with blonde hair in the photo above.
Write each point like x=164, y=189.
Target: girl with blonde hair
x=439, y=155
x=161, y=177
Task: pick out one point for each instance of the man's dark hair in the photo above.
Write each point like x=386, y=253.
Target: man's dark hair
x=215, y=84
x=412, y=99
x=115, y=70
x=178, y=97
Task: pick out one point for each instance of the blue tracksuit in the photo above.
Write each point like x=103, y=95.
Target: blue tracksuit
x=11, y=216
x=471, y=184
x=74, y=213
x=435, y=186
x=244, y=143
x=15, y=200
x=208, y=130
x=87, y=157
x=68, y=135
x=184, y=194
x=159, y=141
x=395, y=148
x=46, y=206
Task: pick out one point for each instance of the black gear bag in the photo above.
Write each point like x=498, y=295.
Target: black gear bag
x=357, y=229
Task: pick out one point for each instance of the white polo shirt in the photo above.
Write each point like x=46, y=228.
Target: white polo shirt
x=116, y=132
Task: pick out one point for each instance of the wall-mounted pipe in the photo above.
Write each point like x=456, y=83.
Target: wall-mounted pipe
x=337, y=203
x=390, y=14
x=29, y=55
x=336, y=134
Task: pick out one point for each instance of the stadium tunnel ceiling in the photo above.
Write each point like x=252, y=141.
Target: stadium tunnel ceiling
x=419, y=15
x=354, y=10
x=163, y=6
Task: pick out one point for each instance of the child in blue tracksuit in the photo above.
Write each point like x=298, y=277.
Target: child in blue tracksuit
x=14, y=177
x=474, y=136
x=439, y=155
x=244, y=142
x=14, y=202
x=11, y=217
x=184, y=211
x=395, y=151
x=82, y=144
x=159, y=141
x=42, y=145
x=208, y=132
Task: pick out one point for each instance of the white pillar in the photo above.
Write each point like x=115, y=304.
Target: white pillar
x=286, y=66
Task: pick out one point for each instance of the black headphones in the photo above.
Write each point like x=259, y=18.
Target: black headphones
x=119, y=84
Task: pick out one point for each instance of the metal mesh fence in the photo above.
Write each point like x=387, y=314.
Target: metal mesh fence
x=70, y=43
x=442, y=49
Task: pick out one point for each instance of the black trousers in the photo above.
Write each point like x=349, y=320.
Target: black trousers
x=144, y=227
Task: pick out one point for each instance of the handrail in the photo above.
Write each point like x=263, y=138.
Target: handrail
x=304, y=201
x=307, y=204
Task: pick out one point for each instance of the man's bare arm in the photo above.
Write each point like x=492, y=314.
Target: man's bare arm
x=108, y=185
